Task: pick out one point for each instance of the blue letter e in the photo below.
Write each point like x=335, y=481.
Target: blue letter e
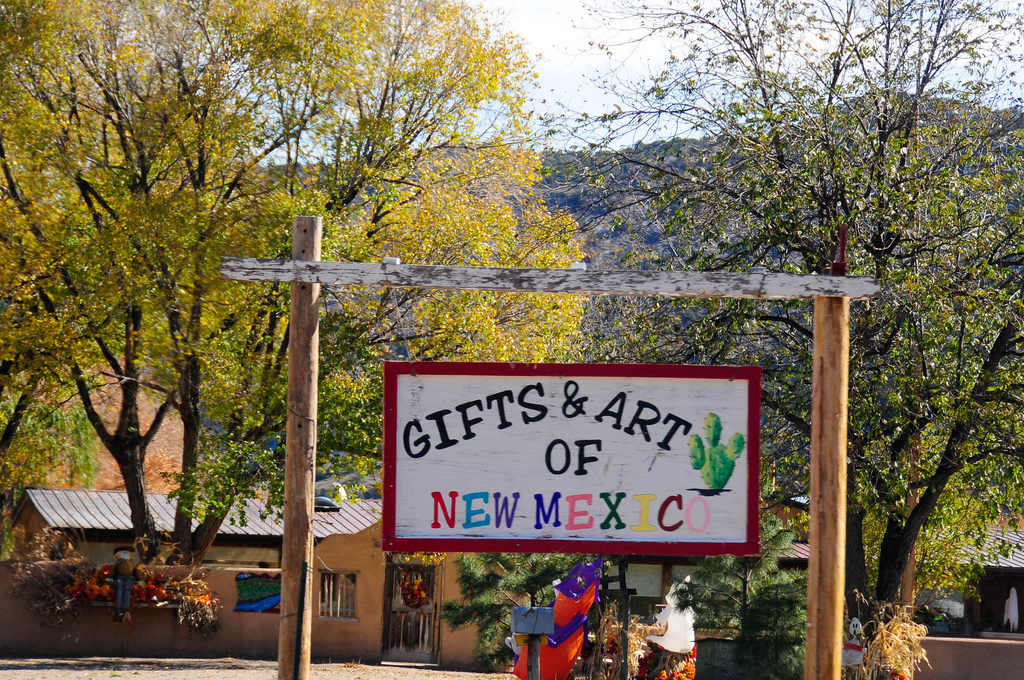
x=472, y=512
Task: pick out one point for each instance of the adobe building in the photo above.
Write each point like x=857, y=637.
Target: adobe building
x=359, y=609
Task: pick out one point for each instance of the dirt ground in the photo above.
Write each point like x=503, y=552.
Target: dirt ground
x=213, y=669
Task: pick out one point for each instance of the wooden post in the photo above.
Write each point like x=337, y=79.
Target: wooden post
x=621, y=597
x=293, y=645
x=533, y=657
x=624, y=593
x=828, y=489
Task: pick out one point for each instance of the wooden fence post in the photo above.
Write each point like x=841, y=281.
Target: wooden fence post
x=294, y=632
x=825, y=579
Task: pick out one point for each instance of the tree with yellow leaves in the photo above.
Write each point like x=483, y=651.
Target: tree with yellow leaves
x=145, y=139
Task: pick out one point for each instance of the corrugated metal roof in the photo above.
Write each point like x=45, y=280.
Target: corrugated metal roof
x=1015, y=560
x=350, y=519
x=108, y=510
x=1014, y=539
x=797, y=550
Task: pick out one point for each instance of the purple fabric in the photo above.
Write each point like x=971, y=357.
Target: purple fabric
x=563, y=633
x=579, y=578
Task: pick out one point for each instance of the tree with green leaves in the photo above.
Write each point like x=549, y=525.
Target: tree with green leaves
x=755, y=602
x=891, y=129
x=492, y=584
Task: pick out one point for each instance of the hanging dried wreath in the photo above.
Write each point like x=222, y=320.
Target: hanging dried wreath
x=414, y=590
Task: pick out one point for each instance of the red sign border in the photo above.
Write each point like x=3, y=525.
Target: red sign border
x=752, y=374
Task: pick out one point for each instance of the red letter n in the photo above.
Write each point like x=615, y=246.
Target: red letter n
x=439, y=503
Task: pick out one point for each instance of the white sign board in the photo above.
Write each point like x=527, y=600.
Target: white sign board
x=609, y=458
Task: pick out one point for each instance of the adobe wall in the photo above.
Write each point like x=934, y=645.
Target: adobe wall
x=456, y=645
x=155, y=632
x=152, y=632
x=972, y=659
x=364, y=638
x=951, y=659
x=347, y=639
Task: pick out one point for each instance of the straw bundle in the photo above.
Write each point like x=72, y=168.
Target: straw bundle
x=604, y=660
x=42, y=569
x=895, y=645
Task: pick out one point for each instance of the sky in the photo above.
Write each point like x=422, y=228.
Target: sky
x=569, y=70
x=557, y=30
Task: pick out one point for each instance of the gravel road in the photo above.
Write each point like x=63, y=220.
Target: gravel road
x=213, y=669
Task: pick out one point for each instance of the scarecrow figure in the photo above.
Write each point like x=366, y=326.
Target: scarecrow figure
x=853, y=650
x=124, y=581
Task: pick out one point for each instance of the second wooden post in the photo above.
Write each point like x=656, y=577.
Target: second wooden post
x=825, y=578
x=295, y=628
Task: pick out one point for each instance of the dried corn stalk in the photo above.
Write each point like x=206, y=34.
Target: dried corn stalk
x=895, y=645
x=638, y=633
x=604, y=664
x=42, y=569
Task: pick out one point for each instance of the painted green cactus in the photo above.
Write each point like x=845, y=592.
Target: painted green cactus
x=716, y=461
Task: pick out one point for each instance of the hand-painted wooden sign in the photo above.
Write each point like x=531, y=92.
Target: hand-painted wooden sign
x=619, y=459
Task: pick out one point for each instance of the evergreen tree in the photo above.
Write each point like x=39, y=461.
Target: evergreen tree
x=493, y=583
x=753, y=600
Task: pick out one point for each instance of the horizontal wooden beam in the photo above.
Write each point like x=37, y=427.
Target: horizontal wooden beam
x=669, y=284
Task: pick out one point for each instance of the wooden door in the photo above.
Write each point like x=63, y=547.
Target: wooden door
x=410, y=616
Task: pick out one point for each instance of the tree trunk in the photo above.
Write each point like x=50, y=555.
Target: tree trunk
x=191, y=420
x=204, y=536
x=856, y=566
x=892, y=560
x=901, y=533
x=126, y=443
x=131, y=462
x=13, y=423
x=6, y=439
x=191, y=545
x=908, y=583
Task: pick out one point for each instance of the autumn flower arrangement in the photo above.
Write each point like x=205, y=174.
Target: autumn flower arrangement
x=659, y=664
x=894, y=650
x=58, y=583
x=150, y=587
x=647, y=660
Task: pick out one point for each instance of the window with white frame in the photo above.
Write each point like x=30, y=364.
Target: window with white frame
x=337, y=594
